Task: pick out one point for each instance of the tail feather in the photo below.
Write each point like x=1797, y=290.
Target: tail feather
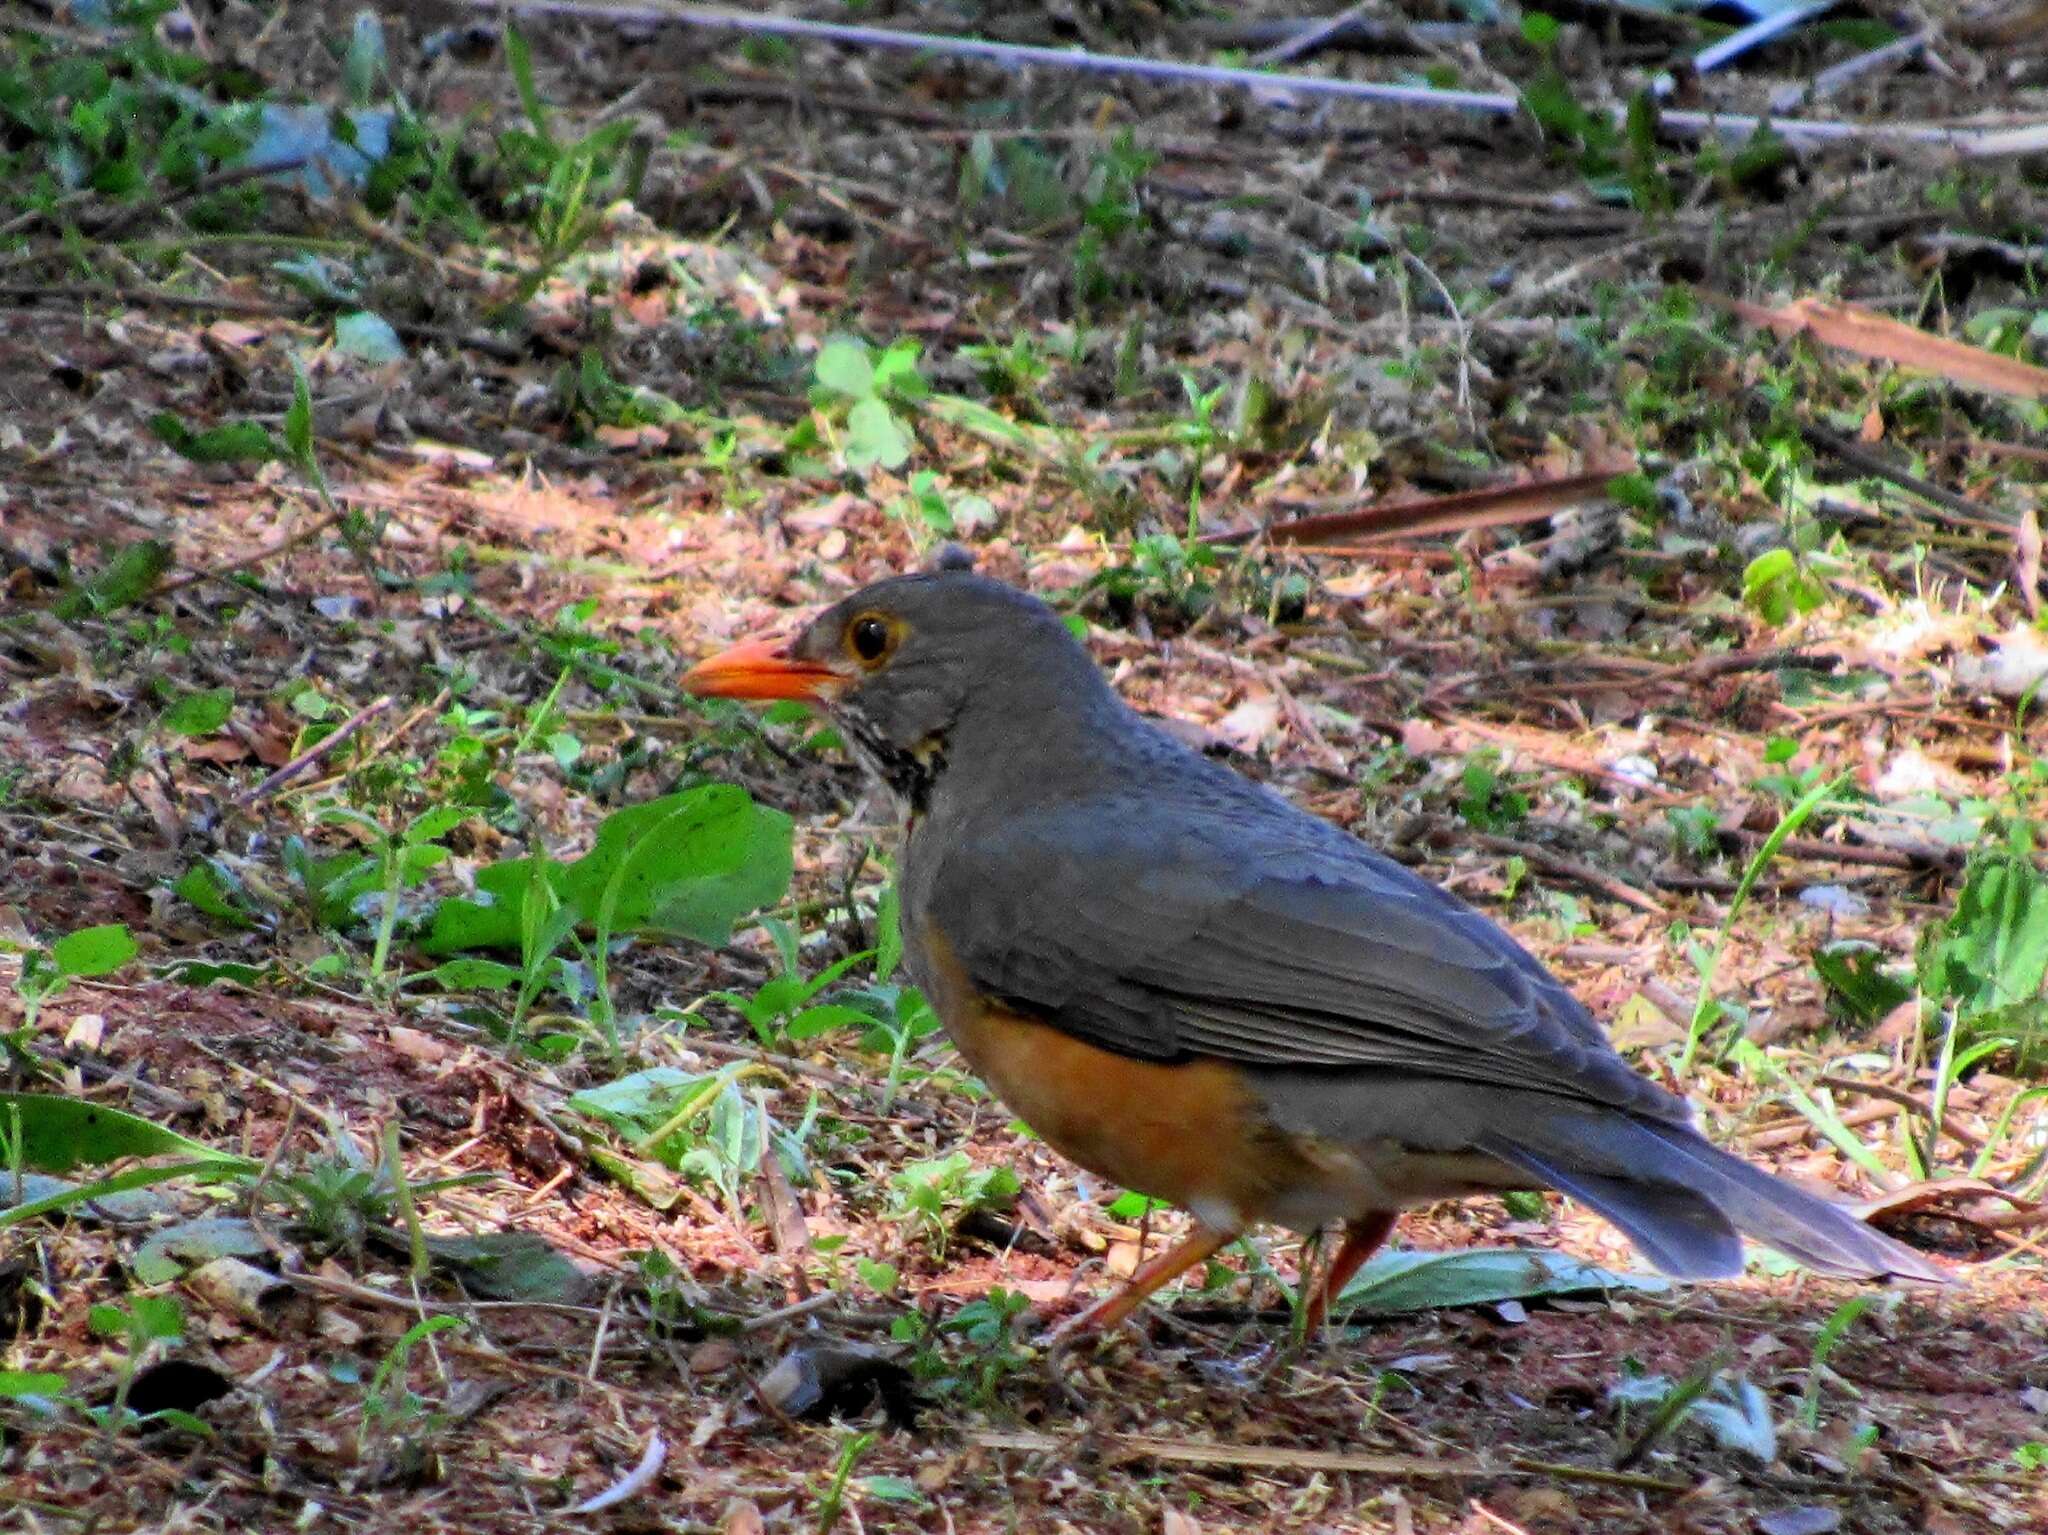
x=1684, y=1235
x=1681, y=1199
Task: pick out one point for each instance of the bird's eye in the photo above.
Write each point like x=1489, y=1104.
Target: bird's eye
x=869, y=637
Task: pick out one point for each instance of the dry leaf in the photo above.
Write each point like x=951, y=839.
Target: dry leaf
x=1872, y=429
x=1495, y=507
x=414, y=1045
x=1247, y=726
x=1420, y=738
x=218, y=749
x=1173, y=1522
x=2027, y=560
x=1856, y=329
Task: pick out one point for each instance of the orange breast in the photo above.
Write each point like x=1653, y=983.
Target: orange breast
x=1188, y=1133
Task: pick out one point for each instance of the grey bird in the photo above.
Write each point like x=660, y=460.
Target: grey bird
x=1194, y=989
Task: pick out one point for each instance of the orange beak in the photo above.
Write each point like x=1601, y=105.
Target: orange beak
x=760, y=669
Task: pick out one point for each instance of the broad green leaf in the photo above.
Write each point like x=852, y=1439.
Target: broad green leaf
x=15, y=1384
x=826, y=1017
x=131, y=1206
x=640, y=1102
x=368, y=337
x=1422, y=1281
x=511, y=1265
x=893, y=1489
x=888, y=932
x=874, y=435
x=200, y=972
x=1993, y=952
x=1858, y=982
x=896, y=372
x=200, y=714
x=168, y=1253
x=973, y=416
x=91, y=951
x=59, y=1133
x=843, y=366
x=689, y=865
x=650, y=1182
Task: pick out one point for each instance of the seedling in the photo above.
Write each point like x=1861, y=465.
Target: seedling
x=932, y=1196
x=1486, y=802
x=1709, y=1010
x=832, y=1502
x=47, y=972
x=389, y=1406
x=785, y=1008
x=147, y=1325
x=1831, y=1332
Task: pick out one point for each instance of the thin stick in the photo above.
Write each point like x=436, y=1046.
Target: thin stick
x=314, y=753
x=2020, y=139
x=1905, y=1100
x=1280, y=1458
x=1825, y=84
x=1312, y=37
x=290, y=541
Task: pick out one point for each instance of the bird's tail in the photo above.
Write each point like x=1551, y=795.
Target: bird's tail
x=1682, y=1200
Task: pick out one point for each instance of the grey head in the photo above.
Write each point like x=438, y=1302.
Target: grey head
x=946, y=670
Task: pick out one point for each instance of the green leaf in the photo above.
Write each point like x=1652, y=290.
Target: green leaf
x=688, y=865
x=826, y=1017
x=200, y=714
x=94, y=950
x=1993, y=952
x=896, y=372
x=15, y=1384
x=893, y=1489
x=843, y=367
x=130, y=576
x=973, y=416
x=368, y=337
x=470, y=975
x=1422, y=1281
x=641, y=1101
x=238, y=442
x=888, y=932
x=874, y=436
x=520, y=57
x=167, y=1253
x=298, y=420
x=214, y=1168
x=1778, y=587
x=1857, y=981
x=364, y=61
x=1128, y=1206
x=649, y=1182
x=880, y=1277
x=511, y=1265
x=59, y=1133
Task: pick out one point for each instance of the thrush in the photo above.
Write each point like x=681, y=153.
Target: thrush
x=1196, y=990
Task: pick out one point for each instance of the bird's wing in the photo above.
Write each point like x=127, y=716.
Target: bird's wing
x=1166, y=935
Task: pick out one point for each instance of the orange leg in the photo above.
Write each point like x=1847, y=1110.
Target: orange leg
x=1362, y=1238
x=1171, y=1264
